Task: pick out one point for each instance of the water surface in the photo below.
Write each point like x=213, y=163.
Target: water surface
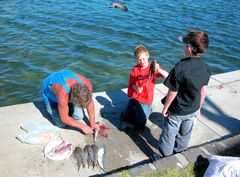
x=40, y=37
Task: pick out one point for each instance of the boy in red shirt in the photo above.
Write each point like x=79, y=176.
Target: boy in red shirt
x=141, y=88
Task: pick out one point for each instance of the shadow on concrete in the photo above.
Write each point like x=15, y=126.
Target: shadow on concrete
x=128, y=167
x=230, y=123
x=42, y=108
x=200, y=166
x=157, y=119
x=111, y=111
x=143, y=139
x=113, y=107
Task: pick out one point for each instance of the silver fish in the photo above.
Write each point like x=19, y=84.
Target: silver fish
x=95, y=134
x=120, y=6
x=84, y=156
x=95, y=154
x=89, y=151
x=76, y=154
x=101, y=157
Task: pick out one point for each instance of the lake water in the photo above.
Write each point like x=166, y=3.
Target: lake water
x=39, y=37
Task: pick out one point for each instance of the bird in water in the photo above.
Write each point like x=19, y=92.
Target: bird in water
x=119, y=5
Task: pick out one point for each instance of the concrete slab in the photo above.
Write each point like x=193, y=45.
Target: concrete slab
x=235, y=85
x=202, y=134
x=18, y=159
x=227, y=77
x=219, y=112
x=194, y=154
x=125, y=149
x=141, y=170
x=168, y=162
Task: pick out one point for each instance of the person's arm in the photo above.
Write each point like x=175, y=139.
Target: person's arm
x=132, y=82
x=90, y=107
x=161, y=71
x=203, y=95
x=170, y=97
x=63, y=110
x=137, y=89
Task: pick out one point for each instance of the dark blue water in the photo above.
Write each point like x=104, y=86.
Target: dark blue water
x=39, y=37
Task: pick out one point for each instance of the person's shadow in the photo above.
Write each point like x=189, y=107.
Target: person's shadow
x=111, y=112
x=40, y=105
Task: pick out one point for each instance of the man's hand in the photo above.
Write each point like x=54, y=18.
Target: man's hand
x=96, y=126
x=87, y=130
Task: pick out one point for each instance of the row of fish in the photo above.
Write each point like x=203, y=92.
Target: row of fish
x=90, y=155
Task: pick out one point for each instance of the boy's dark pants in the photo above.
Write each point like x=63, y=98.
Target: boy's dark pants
x=137, y=113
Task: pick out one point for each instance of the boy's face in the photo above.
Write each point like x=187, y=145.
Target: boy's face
x=142, y=59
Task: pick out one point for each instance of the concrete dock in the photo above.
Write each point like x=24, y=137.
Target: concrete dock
x=218, y=128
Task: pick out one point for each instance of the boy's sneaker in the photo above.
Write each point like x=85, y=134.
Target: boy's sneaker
x=126, y=125
x=155, y=156
x=122, y=117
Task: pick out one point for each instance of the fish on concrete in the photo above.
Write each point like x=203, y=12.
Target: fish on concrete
x=89, y=151
x=101, y=157
x=84, y=156
x=95, y=134
x=76, y=154
x=60, y=149
x=119, y=5
x=95, y=154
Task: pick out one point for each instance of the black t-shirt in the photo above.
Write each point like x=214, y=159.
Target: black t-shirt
x=187, y=78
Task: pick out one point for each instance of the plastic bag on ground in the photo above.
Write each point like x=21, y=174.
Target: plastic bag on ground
x=224, y=166
x=38, y=132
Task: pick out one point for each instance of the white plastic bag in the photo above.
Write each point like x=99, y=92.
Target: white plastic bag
x=223, y=166
x=38, y=132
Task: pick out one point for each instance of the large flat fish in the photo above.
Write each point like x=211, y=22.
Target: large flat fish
x=60, y=149
x=89, y=151
x=95, y=154
x=101, y=157
x=76, y=154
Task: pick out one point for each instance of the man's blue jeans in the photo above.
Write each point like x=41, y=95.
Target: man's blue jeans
x=74, y=111
x=176, y=133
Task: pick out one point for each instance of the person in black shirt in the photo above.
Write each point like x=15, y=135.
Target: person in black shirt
x=187, y=85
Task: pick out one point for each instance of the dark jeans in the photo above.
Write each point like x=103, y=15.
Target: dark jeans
x=74, y=112
x=137, y=113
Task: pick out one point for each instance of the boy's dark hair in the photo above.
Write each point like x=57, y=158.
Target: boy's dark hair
x=80, y=95
x=198, y=40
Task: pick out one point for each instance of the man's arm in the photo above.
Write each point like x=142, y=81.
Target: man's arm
x=90, y=107
x=63, y=110
x=170, y=97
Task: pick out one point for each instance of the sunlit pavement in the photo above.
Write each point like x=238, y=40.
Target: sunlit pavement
x=217, y=129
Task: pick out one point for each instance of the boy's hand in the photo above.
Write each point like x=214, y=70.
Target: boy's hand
x=139, y=89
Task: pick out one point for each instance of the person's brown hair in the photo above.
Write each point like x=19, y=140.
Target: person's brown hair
x=198, y=40
x=80, y=95
x=139, y=50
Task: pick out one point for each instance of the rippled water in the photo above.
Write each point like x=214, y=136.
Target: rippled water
x=39, y=37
